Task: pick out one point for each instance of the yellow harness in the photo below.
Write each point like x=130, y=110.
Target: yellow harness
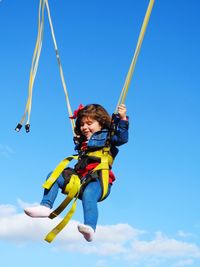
x=72, y=189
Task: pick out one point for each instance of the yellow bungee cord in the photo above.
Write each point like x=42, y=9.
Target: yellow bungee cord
x=36, y=56
x=34, y=67
x=135, y=57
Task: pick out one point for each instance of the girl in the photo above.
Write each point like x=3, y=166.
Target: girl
x=92, y=128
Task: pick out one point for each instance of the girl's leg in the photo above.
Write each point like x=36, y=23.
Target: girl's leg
x=50, y=195
x=90, y=198
x=44, y=209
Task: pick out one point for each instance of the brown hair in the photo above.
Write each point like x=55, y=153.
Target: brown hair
x=95, y=112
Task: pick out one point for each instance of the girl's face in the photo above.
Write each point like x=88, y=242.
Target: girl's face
x=89, y=126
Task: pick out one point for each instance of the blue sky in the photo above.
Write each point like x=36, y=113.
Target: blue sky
x=152, y=217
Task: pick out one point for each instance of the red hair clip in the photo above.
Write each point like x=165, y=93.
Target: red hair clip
x=76, y=112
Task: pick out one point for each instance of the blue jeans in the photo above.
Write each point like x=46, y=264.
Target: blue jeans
x=90, y=198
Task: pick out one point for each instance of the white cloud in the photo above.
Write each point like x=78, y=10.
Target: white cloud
x=120, y=241
x=19, y=228
x=184, y=234
x=184, y=263
x=102, y=263
x=6, y=210
x=165, y=247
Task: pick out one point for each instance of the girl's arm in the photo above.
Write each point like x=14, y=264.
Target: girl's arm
x=120, y=136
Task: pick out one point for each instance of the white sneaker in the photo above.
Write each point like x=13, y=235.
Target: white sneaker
x=87, y=231
x=38, y=211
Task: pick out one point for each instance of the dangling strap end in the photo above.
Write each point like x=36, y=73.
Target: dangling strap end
x=50, y=237
x=18, y=127
x=27, y=128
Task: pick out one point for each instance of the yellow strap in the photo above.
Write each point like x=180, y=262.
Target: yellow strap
x=72, y=189
x=51, y=235
x=100, y=154
x=101, y=166
x=57, y=171
x=104, y=167
x=105, y=183
x=137, y=51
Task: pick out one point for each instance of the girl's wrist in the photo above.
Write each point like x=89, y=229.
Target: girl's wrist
x=124, y=118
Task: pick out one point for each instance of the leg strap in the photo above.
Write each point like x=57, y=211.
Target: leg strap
x=103, y=167
x=72, y=189
x=57, y=171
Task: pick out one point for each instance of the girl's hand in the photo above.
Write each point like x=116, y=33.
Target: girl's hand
x=122, y=111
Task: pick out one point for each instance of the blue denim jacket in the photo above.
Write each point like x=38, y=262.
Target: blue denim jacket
x=120, y=137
